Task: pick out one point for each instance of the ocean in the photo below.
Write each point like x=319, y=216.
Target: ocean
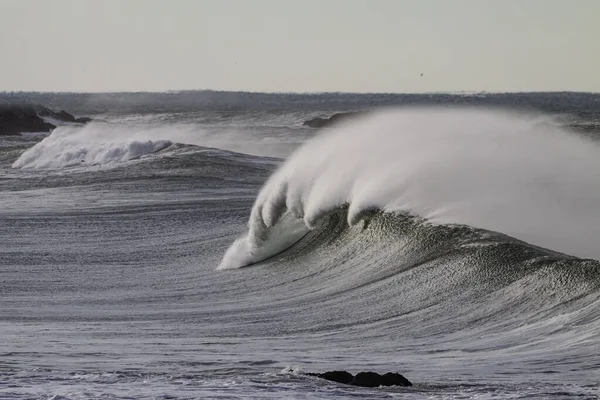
x=208, y=245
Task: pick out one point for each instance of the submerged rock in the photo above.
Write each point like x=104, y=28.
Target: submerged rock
x=16, y=119
x=365, y=379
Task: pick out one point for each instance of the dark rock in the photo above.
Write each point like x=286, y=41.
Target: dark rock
x=327, y=122
x=61, y=116
x=364, y=379
x=394, y=379
x=15, y=119
x=367, y=379
x=337, y=376
x=65, y=116
x=315, y=122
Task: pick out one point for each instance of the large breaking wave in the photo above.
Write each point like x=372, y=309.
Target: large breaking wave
x=522, y=175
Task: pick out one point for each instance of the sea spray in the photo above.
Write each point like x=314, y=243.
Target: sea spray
x=519, y=174
x=101, y=143
x=94, y=144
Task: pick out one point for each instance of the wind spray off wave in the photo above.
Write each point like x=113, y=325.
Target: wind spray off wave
x=111, y=143
x=521, y=175
x=94, y=144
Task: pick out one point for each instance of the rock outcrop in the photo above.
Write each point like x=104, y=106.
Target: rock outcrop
x=394, y=379
x=62, y=116
x=365, y=379
x=16, y=119
x=336, y=376
x=327, y=122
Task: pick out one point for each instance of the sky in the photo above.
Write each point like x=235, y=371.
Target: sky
x=300, y=45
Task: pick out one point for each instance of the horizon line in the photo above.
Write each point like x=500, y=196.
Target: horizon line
x=177, y=91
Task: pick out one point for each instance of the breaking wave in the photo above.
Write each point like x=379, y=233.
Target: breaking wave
x=521, y=175
x=95, y=144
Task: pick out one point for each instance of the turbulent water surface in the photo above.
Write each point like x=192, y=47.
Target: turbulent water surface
x=213, y=247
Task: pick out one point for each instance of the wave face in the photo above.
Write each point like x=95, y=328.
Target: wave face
x=521, y=175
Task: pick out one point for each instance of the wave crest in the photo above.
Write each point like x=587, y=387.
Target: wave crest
x=521, y=175
x=94, y=144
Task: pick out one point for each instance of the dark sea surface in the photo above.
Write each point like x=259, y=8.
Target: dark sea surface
x=208, y=245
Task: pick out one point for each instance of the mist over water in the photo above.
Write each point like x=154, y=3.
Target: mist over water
x=520, y=174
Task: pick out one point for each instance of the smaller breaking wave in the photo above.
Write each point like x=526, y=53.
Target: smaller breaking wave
x=95, y=144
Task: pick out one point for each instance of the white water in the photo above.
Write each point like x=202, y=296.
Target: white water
x=521, y=175
x=109, y=143
x=94, y=144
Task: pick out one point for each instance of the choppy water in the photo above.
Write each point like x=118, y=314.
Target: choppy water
x=441, y=244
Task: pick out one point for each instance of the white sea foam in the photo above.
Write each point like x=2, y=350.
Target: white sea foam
x=108, y=143
x=521, y=175
x=95, y=144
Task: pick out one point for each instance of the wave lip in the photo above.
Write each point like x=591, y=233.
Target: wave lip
x=91, y=145
x=521, y=175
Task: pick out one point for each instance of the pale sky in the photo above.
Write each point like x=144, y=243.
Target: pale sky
x=300, y=45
